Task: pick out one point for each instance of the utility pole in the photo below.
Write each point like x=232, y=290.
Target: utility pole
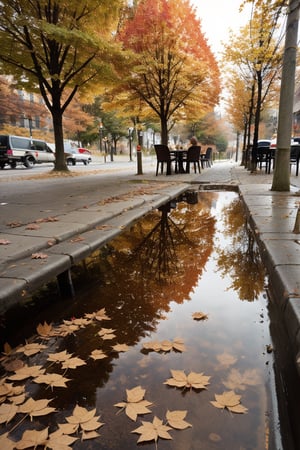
x=281, y=176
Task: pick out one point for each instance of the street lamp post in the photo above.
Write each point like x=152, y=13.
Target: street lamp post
x=139, y=151
x=130, y=132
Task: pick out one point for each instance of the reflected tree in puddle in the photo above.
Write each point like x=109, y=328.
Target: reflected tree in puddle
x=242, y=260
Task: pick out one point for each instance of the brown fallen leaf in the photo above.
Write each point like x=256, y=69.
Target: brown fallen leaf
x=59, y=356
x=44, y=329
x=98, y=354
x=60, y=441
x=193, y=380
x=32, y=226
x=85, y=420
x=39, y=256
x=14, y=224
x=107, y=333
x=26, y=372
x=135, y=403
x=7, y=412
x=36, y=408
x=72, y=363
x=176, y=420
x=6, y=349
x=77, y=239
x=165, y=346
x=121, y=347
x=98, y=315
x=52, y=380
x=229, y=400
x=47, y=219
x=32, y=438
x=151, y=431
x=4, y=242
x=31, y=349
x=6, y=443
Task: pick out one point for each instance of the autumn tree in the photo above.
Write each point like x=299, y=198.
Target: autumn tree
x=256, y=55
x=57, y=48
x=172, y=71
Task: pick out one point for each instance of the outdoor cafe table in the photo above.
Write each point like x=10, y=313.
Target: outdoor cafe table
x=180, y=156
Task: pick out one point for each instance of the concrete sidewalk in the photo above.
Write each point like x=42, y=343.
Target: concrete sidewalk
x=113, y=197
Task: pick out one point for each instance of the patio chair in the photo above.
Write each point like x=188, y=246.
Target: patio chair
x=193, y=156
x=163, y=156
x=206, y=160
x=295, y=157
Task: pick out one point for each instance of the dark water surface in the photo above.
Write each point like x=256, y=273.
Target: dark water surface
x=151, y=280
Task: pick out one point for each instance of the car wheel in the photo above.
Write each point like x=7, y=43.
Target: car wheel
x=13, y=164
x=29, y=162
x=2, y=165
x=85, y=162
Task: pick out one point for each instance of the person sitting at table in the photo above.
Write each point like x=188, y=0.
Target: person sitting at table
x=194, y=141
x=193, y=155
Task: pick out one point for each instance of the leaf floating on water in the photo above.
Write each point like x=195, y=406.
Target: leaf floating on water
x=193, y=380
x=98, y=315
x=7, y=412
x=52, y=380
x=73, y=363
x=84, y=419
x=27, y=372
x=98, y=354
x=151, y=431
x=59, y=356
x=165, y=346
x=44, y=329
x=176, y=420
x=107, y=333
x=6, y=443
x=32, y=438
x=36, y=408
x=31, y=349
x=60, y=441
x=199, y=316
x=135, y=403
x=231, y=401
x=121, y=347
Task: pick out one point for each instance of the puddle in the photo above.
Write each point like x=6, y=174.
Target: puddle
x=186, y=258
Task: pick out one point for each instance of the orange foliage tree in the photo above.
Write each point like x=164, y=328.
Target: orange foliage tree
x=172, y=72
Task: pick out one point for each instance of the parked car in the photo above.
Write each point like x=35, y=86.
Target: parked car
x=264, y=143
x=295, y=140
x=73, y=157
x=28, y=151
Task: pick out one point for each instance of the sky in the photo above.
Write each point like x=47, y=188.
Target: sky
x=217, y=17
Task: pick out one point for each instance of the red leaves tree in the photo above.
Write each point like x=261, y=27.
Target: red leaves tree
x=172, y=72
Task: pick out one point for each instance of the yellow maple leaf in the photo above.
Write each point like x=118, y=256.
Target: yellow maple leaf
x=176, y=419
x=98, y=354
x=44, y=329
x=151, y=431
x=72, y=363
x=31, y=349
x=121, y=347
x=52, y=379
x=7, y=412
x=6, y=443
x=229, y=400
x=36, y=407
x=26, y=372
x=32, y=438
x=135, y=403
x=192, y=380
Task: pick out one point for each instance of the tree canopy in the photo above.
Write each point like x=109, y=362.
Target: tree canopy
x=57, y=48
x=172, y=71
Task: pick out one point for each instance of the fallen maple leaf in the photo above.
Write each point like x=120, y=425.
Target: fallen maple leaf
x=151, y=431
x=84, y=419
x=98, y=354
x=7, y=412
x=165, y=346
x=31, y=349
x=121, y=347
x=44, y=329
x=36, y=407
x=59, y=356
x=60, y=441
x=6, y=443
x=32, y=438
x=229, y=400
x=107, y=333
x=39, y=256
x=4, y=242
x=27, y=372
x=32, y=226
x=135, y=403
x=52, y=380
x=176, y=420
x=72, y=363
x=98, y=315
x=193, y=380
x=7, y=349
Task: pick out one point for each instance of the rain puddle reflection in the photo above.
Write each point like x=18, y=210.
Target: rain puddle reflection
x=188, y=257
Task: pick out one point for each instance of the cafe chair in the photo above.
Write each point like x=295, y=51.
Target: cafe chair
x=193, y=156
x=264, y=158
x=163, y=156
x=295, y=157
x=206, y=160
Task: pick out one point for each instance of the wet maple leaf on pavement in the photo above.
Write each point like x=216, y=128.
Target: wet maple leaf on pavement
x=151, y=431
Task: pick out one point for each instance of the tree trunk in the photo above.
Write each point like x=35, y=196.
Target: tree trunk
x=281, y=176
x=256, y=121
x=164, y=130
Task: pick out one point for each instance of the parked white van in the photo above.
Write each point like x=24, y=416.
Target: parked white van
x=27, y=151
